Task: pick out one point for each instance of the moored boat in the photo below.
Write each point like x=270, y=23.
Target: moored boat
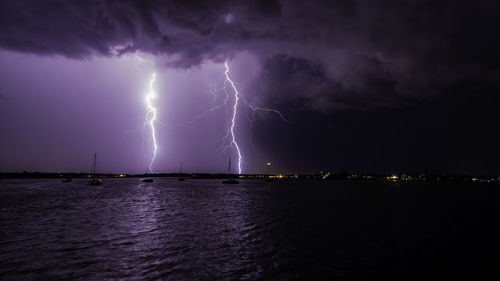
x=93, y=180
x=231, y=180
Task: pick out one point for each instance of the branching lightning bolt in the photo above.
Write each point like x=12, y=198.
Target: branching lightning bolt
x=151, y=118
x=256, y=108
x=232, y=93
x=233, y=118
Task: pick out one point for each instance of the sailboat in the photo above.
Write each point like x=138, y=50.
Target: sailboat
x=230, y=180
x=180, y=174
x=147, y=179
x=67, y=178
x=93, y=180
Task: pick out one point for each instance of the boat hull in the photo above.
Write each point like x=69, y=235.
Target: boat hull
x=95, y=182
x=231, y=181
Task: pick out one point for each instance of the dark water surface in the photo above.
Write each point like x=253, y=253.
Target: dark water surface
x=203, y=230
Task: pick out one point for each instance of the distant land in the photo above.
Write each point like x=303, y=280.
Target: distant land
x=317, y=176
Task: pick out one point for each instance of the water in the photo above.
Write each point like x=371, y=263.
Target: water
x=203, y=230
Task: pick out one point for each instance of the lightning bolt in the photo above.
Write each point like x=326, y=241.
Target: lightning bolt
x=233, y=118
x=151, y=118
x=232, y=93
x=256, y=108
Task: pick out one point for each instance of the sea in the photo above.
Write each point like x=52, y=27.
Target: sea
x=286, y=230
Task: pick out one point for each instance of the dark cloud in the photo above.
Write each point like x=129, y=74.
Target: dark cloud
x=456, y=133
x=333, y=53
x=285, y=79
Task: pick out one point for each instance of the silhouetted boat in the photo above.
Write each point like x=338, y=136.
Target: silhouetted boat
x=147, y=179
x=93, y=180
x=180, y=173
x=230, y=180
x=67, y=177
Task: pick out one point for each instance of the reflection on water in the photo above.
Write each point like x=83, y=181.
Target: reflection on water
x=203, y=230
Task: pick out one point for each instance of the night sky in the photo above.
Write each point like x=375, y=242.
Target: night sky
x=367, y=86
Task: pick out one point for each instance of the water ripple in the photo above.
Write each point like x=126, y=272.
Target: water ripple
x=203, y=230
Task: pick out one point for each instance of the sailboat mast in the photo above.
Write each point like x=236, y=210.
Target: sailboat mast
x=180, y=171
x=229, y=166
x=92, y=170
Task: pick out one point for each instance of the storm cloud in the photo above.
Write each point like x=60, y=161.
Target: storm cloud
x=339, y=53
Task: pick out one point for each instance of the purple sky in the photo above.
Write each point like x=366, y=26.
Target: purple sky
x=370, y=87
